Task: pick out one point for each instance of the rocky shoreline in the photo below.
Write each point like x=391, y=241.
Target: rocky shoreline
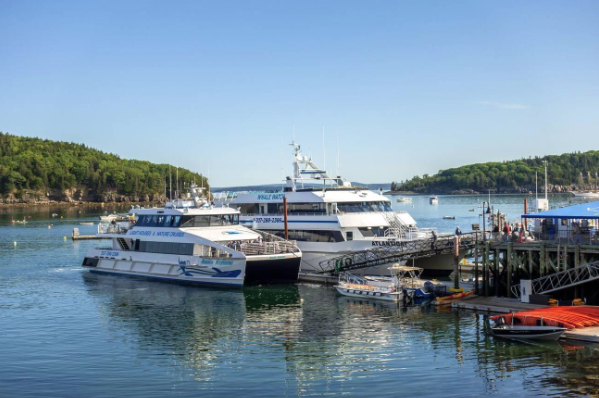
x=77, y=197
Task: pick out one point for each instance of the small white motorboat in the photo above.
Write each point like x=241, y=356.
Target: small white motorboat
x=516, y=332
x=375, y=289
x=449, y=217
x=403, y=200
x=434, y=200
x=86, y=223
x=108, y=218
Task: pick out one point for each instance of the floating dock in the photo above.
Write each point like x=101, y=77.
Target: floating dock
x=76, y=236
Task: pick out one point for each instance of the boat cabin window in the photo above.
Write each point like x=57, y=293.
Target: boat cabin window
x=215, y=220
x=371, y=232
x=249, y=208
x=359, y=207
x=159, y=221
x=165, y=247
x=311, y=236
x=349, y=235
x=277, y=208
x=306, y=208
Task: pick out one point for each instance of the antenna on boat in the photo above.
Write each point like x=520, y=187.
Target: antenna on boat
x=324, y=152
x=337, y=153
x=177, y=180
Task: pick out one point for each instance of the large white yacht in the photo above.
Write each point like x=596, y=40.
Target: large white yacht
x=328, y=220
x=191, y=241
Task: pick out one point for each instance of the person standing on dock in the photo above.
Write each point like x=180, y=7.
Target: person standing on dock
x=506, y=232
x=434, y=241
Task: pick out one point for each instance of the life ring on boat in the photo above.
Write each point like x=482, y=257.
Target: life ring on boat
x=348, y=262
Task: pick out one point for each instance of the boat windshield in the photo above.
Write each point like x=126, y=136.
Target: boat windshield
x=187, y=221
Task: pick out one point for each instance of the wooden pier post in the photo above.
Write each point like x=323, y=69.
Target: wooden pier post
x=542, y=260
x=476, y=264
x=285, y=217
x=486, y=268
x=508, y=262
x=496, y=272
x=456, y=262
x=530, y=263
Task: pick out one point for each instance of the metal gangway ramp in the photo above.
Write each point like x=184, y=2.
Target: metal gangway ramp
x=563, y=279
x=395, y=251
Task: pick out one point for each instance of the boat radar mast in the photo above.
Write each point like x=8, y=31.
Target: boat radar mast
x=305, y=169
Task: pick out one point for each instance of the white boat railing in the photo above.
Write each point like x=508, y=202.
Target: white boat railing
x=263, y=248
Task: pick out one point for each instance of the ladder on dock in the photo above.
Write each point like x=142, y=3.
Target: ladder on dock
x=561, y=280
x=395, y=251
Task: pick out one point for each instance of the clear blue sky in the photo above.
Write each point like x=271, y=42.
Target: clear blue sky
x=411, y=86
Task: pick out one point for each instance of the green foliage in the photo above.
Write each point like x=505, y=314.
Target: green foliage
x=36, y=164
x=563, y=170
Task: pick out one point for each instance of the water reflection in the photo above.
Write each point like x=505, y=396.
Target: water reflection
x=329, y=343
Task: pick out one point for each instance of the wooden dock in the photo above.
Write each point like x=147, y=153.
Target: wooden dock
x=76, y=236
x=498, y=305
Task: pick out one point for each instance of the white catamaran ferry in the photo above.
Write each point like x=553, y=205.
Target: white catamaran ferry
x=190, y=241
x=329, y=220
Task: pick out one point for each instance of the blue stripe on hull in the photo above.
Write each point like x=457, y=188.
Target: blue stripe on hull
x=167, y=279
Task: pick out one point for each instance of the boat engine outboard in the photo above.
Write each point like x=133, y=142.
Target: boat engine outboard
x=429, y=287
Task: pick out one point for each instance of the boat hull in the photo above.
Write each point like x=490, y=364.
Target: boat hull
x=528, y=332
x=368, y=294
x=273, y=268
x=213, y=272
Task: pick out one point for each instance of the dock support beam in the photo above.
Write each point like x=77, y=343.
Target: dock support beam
x=508, y=261
x=496, y=272
x=486, y=268
x=477, y=292
x=542, y=260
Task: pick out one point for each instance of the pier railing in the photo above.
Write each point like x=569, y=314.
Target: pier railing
x=562, y=280
x=395, y=251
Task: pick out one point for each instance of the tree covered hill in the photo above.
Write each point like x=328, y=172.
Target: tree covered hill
x=510, y=176
x=43, y=165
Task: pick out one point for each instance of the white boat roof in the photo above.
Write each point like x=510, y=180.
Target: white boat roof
x=223, y=234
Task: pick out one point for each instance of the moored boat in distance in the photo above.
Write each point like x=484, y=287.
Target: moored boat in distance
x=190, y=241
x=433, y=200
x=589, y=194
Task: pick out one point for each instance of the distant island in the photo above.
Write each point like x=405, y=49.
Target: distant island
x=37, y=171
x=571, y=171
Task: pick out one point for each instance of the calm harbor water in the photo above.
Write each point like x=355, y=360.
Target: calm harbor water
x=67, y=333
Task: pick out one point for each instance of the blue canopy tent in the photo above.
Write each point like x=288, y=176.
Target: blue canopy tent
x=575, y=226
x=584, y=211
